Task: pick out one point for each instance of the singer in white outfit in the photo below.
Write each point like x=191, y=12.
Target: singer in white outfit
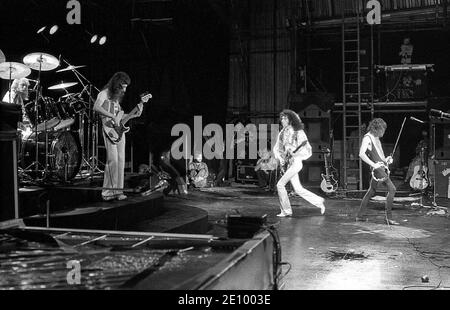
x=291, y=148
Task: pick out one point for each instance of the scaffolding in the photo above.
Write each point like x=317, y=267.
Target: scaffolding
x=351, y=93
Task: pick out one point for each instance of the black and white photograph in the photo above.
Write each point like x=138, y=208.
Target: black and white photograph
x=222, y=150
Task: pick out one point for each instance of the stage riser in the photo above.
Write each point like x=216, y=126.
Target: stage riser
x=108, y=216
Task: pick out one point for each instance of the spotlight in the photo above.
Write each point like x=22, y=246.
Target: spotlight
x=94, y=38
x=41, y=29
x=54, y=29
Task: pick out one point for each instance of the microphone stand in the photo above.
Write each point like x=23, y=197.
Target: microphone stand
x=433, y=130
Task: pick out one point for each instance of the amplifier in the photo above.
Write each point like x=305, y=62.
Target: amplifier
x=443, y=178
x=246, y=173
x=443, y=154
x=407, y=85
x=244, y=226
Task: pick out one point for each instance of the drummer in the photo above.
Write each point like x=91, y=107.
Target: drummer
x=18, y=94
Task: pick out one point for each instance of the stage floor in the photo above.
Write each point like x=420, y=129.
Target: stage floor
x=332, y=251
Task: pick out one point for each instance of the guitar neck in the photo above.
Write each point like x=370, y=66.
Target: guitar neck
x=130, y=115
x=326, y=166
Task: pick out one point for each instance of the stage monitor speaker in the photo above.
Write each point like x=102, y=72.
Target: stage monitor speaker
x=443, y=178
x=244, y=226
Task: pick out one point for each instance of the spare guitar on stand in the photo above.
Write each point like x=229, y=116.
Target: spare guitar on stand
x=329, y=183
x=419, y=180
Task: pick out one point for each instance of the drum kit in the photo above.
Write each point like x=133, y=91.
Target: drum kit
x=58, y=137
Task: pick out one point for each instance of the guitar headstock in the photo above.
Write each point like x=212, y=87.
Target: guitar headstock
x=325, y=150
x=145, y=97
x=446, y=172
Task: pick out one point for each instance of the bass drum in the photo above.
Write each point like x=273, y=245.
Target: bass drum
x=64, y=154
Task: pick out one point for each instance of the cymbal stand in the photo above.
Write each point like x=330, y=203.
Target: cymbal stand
x=10, y=83
x=36, y=111
x=95, y=119
x=93, y=123
x=433, y=131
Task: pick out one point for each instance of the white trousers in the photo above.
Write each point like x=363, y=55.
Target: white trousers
x=291, y=175
x=114, y=168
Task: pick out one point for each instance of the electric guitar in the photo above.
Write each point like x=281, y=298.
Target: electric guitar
x=288, y=156
x=329, y=184
x=114, y=131
x=419, y=180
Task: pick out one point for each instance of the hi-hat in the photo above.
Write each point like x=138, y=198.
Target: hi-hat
x=13, y=70
x=41, y=61
x=63, y=85
x=68, y=95
x=71, y=68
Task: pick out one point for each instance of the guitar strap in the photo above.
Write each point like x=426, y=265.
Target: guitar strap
x=376, y=150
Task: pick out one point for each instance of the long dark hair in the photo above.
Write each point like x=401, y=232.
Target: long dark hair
x=114, y=85
x=294, y=119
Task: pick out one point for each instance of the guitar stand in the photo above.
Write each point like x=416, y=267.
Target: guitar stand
x=422, y=194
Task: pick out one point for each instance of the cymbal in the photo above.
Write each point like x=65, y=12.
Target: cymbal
x=63, y=85
x=71, y=68
x=41, y=61
x=68, y=95
x=2, y=57
x=13, y=70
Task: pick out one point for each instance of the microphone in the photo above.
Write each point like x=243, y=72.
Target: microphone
x=416, y=119
x=441, y=113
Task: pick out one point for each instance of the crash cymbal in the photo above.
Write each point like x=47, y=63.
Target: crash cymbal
x=13, y=70
x=2, y=57
x=41, y=61
x=71, y=68
x=63, y=85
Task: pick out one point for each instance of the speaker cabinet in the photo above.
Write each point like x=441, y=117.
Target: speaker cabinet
x=9, y=192
x=246, y=173
x=443, y=179
x=10, y=114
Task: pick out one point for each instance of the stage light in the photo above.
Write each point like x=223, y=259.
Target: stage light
x=54, y=29
x=94, y=38
x=41, y=29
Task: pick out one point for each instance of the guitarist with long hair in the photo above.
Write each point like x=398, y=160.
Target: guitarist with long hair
x=371, y=152
x=291, y=148
x=108, y=106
